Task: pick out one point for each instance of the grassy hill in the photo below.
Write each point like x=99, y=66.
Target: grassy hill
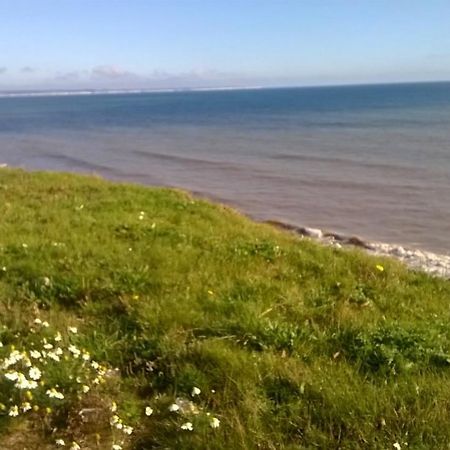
x=145, y=318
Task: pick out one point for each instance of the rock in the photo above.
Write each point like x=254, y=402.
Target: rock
x=399, y=251
x=312, y=232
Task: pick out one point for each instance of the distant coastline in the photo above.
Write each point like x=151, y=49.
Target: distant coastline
x=84, y=92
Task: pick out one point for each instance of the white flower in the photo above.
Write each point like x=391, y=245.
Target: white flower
x=397, y=446
x=116, y=447
x=35, y=354
x=148, y=411
x=60, y=442
x=127, y=429
x=95, y=365
x=13, y=411
x=45, y=324
x=74, y=350
x=73, y=330
x=74, y=446
x=86, y=356
x=85, y=389
x=215, y=422
x=113, y=407
x=58, y=337
x=174, y=407
x=195, y=391
x=187, y=426
x=26, y=406
x=1, y=344
x=48, y=346
x=54, y=356
x=46, y=281
x=38, y=321
x=34, y=373
x=23, y=383
x=12, y=376
x=53, y=393
x=114, y=419
x=12, y=359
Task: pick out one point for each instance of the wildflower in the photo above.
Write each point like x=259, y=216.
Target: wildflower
x=210, y=292
x=1, y=344
x=148, y=411
x=58, y=337
x=113, y=407
x=25, y=245
x=12, y=359
x=48, y=346
x=116, y=447
x=26, y=406
x=397, y=446
x=127, y=430
x=13, y=411
x=45, y=324
x=73, y=330
x=187, y=426
x=74, y=350
x=48, y=410
x=35, y=354
x=95, y=365
x=53, y=393
x=86, y=356
x=34, y=373
x=23, y=383
x=54, y=356
x=114, y=419
x=60, y=442
x=46, y=281
x=195, y=391
x=215, y=422
x=74, y=446
x=85, y=389
x=381, y=269
x=174, y=407
x=12, y=376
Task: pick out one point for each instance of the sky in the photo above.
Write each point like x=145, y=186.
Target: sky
x=147, y=44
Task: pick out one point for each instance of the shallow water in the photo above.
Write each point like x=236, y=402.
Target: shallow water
x=373, y=161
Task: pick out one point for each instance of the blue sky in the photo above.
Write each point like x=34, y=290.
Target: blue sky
x=187, y=43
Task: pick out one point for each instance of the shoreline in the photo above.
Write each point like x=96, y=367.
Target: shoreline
x=429, y=262
x=432, y=263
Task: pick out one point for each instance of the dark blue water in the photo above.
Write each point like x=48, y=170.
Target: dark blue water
x=367, y=160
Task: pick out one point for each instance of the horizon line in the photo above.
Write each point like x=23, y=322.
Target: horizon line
x=107, y=91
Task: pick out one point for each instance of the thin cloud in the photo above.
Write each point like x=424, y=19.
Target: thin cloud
x=28, y=69
x=111, y=72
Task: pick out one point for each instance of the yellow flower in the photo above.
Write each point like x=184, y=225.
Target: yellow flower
x=380, y=267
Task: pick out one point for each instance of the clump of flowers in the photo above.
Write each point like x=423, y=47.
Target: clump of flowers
x=52, y=378
x=43, y=379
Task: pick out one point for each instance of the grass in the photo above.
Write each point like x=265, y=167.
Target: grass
x=293, y=345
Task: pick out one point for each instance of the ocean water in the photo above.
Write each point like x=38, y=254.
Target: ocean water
x=371, y=161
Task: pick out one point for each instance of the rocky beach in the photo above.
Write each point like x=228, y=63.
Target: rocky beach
x=429, y=262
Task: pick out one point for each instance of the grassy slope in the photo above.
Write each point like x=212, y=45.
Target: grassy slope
x=304, y=346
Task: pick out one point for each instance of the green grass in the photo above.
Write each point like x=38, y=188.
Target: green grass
x=293, y=345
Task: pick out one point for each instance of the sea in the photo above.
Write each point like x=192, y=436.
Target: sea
x=368, y=160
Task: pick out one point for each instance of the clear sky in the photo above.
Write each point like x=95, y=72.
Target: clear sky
x=188, y=43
